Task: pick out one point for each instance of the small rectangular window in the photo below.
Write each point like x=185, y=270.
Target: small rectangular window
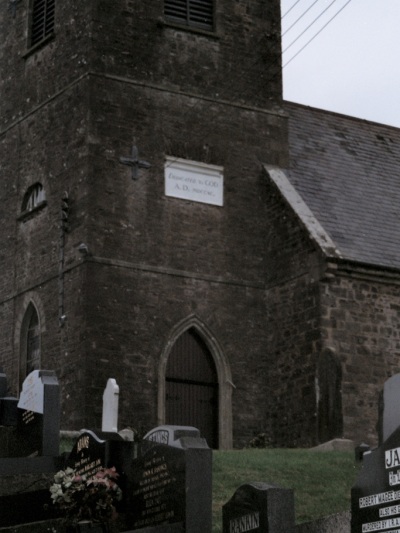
x=196, y=13
x=42, y=22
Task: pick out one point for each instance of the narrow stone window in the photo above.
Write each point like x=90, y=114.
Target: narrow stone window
x=30, y=343
x=34, y=197
x=195, y=13
x=42, y=21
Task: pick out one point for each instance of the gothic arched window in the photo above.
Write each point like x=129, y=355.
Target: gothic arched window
x=30, y=343
x=34, y=197
x=195, y=13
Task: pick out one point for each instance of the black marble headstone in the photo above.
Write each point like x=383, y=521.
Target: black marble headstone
x=95, y=450
x=375, y=497
x=259, y=508
x=170, y=487
x=3, y=384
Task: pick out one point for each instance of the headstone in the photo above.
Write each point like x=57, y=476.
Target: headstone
x=3, y=384
x=171, y=435
x=375, y=497
x=93, y=451
x=8, y=411
x=171, y=486
x=110, y=406
x=38, y=428
x=390, y=408
x=259, y=508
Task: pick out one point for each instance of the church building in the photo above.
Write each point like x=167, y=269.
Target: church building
x=167, y=220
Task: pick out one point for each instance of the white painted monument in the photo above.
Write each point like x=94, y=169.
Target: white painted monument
x=192, y=180
x=32, y=394
x=110, y=406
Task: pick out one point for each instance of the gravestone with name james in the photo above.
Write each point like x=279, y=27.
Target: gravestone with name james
x=171, y=484
x=375, y=497
x=259, y=508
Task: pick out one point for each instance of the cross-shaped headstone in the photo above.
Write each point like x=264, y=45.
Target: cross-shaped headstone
x=134, y=162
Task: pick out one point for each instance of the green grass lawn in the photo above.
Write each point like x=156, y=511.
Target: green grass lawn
x=321, y=480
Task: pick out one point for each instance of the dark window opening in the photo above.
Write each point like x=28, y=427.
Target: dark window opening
x=30, y=343
x=42, y=20
x=33, y=345
x=195, y=13
x=33, y=197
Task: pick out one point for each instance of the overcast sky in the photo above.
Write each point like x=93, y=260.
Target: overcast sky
x=353, y=65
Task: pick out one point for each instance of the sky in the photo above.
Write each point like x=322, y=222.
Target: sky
x=352, y=66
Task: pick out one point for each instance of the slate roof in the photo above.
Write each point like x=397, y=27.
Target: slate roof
x=347, y=171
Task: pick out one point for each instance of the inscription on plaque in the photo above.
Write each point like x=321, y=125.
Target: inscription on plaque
x=192, y=180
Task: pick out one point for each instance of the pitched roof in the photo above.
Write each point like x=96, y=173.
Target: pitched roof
x=347, y=172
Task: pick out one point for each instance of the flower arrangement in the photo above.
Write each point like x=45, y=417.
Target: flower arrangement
x=83, y=497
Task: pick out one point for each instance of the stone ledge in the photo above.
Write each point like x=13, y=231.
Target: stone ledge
x=337, y=523
x=335, y=445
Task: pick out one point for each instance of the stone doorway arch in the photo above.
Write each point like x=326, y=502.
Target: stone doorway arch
x=216, y=391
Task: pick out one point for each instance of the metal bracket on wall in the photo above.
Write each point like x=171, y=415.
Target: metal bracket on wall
x=12, y=6
x=134, y=162
x=64, y=228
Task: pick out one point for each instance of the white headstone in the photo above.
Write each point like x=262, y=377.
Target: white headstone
x=110, y=406
x=32, y=393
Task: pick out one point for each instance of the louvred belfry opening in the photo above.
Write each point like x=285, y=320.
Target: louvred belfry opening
x=42, y=20
x=196, y=13
x=192, y=387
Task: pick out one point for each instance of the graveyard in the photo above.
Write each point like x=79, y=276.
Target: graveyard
x=172, y=481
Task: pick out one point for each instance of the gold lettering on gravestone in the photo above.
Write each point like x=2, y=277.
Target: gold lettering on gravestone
x=82, y=443
x=86, y=467
x=28, y=417
x=156, y=478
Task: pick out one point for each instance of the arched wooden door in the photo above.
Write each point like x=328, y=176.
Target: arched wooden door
x=192, y=387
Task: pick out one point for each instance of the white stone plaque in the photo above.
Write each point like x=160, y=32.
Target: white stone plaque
x=32, y=393
x=192, y=180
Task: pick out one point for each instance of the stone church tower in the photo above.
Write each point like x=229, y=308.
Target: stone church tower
x=133, y=212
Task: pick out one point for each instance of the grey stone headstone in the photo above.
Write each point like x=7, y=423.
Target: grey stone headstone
x=259, y=508
x=390, y=408
x=171, y=435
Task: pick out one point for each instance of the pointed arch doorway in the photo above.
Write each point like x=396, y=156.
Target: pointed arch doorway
x=191, y=386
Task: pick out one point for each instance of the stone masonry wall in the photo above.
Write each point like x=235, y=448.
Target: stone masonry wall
x=361, y=322
x=293, y=272
x=114, y=74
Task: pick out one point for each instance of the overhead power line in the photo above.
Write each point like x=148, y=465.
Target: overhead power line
x=276, y=64
x=290, y=9
x=314, y=36
x=298, y=19
x=309, y=26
